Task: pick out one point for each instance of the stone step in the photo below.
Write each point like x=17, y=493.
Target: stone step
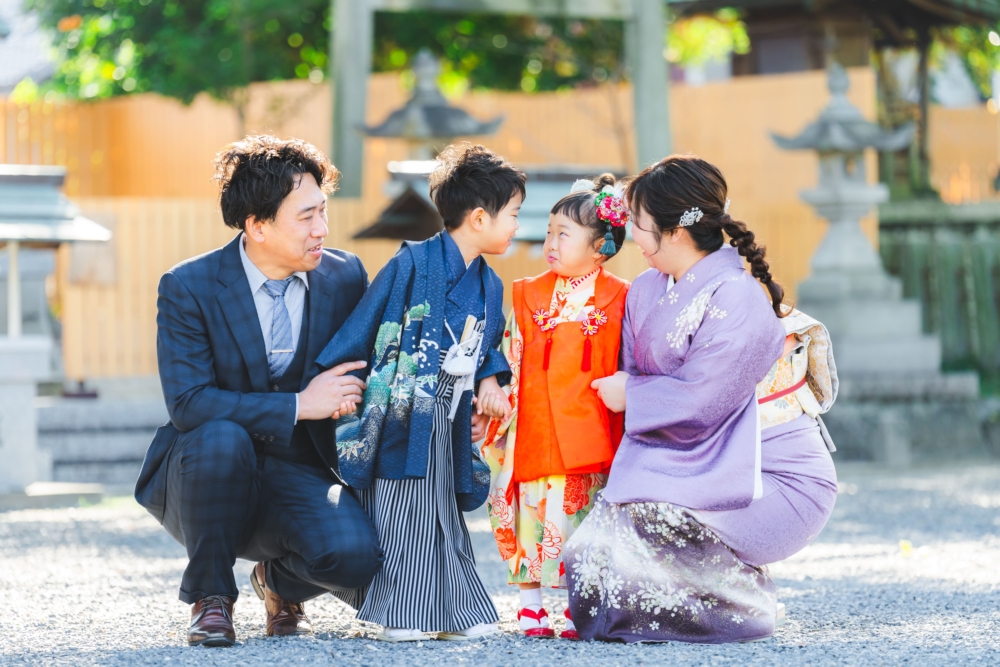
x=916, y=355
x=99, y=441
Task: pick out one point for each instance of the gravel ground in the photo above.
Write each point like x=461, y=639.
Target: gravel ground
x=907, y=571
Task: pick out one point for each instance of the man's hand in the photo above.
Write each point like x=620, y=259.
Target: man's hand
x=611, y=390
x=332, y=393
x=491, y=401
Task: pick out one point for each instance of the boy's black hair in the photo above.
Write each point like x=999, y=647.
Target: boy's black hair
x=469, y=177
x=256, y=174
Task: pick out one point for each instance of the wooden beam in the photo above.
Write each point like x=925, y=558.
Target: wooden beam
x=645, y=40
x=353, y=35
x=601, y=9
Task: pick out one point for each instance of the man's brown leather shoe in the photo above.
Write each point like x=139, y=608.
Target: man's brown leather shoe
x=212, y=622
x=284, y=618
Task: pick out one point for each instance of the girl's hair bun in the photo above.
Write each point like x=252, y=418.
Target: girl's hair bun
x=603, y=180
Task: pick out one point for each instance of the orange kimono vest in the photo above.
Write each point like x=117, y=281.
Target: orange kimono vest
x=562, y=425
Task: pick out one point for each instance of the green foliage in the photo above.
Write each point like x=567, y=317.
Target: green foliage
x=500, y=51
x=181, y=48
x=979, y=48
x=701, y=38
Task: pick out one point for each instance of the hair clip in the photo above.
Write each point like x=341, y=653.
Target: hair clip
x=582, y=185
x=691, y=217
x=725, y=209
x=612, y=210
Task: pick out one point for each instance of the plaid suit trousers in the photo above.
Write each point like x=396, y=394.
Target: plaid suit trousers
x=224, y=501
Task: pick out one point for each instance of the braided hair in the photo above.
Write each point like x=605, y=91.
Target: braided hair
x=675, y=185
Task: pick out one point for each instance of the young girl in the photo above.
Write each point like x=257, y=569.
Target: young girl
x=553, y=453
x=430, y=326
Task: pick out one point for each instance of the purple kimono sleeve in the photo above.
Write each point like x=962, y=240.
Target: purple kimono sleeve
x=626, y=359
x=728, y=355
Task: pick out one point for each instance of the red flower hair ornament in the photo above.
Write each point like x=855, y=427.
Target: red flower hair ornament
x=611, y=209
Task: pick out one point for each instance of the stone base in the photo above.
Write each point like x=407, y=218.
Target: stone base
x=47, y=495
x=908, y=418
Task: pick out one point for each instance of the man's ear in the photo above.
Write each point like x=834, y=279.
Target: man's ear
x=253, y=228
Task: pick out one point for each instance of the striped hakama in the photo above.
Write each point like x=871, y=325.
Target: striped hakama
x=429, y=580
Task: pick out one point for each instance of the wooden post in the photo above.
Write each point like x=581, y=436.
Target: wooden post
x=351, y=56
x=645, y=40
x=13, y=291
x=923, y=184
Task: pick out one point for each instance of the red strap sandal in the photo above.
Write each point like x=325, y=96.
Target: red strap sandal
x=536, y=616
x=568, y=633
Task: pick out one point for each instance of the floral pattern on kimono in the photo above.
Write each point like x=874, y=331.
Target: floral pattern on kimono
x=532, y=521
x=650, y=572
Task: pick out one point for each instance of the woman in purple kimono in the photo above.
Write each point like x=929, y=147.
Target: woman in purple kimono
x=700, y=498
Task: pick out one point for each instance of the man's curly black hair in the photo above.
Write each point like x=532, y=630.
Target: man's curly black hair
x=256, y=174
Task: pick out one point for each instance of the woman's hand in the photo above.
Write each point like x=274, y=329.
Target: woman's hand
x=491, y=401
x=611, y=390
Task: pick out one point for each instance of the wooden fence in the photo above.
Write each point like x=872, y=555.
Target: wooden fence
x=143, y=165
x=965, y=154
x=950, y=260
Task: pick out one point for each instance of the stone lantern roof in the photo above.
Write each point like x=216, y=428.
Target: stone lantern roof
x=427, y=115
x=842, y=128
x=34, y=211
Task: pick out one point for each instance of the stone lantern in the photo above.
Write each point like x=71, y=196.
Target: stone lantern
x=33, y=213
x=427, y=121
x=895, y=403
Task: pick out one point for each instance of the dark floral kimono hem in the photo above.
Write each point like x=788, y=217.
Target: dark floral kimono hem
x=649, y=572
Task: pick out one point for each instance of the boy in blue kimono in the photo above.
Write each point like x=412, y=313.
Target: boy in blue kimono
x=430, y=327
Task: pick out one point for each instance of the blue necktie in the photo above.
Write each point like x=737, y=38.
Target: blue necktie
x=281, y=328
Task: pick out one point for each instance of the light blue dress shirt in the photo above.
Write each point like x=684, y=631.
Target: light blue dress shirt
x=295, y=301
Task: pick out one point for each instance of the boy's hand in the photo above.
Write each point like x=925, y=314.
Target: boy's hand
x=479, y=424
x=491, y=401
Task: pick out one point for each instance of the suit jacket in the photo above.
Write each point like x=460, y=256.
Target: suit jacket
x=212, y=361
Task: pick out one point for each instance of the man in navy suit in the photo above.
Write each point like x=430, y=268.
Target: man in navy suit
x=247, y=465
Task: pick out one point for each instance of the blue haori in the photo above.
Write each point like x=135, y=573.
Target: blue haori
x=399, y=327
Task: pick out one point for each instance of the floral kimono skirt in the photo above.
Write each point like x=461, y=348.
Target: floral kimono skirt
x=651, y=572
x=531, y=535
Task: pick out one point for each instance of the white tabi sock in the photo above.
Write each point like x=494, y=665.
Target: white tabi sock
x=531, y=596
x=399, y=633
x=479, y=630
